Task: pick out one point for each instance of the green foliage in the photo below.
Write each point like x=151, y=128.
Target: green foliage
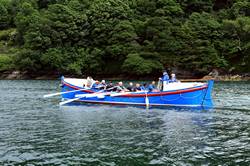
x=5, y=17
x=6, y=62
x=135, y=64
x=134, y=37
x=199, y=35
x=238, y=51
x=28, y=60
x=78, y=61
x=7, y=34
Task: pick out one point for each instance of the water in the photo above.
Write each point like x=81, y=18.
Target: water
x=36, y=131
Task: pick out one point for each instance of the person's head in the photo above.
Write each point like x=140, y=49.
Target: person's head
x=153, y=82
x=137, y=85
x=131, y=84
x=145, y=84
x=165, y=72
x=110, y=83
x=103, y=82
x=120, y=83
x=173, y=75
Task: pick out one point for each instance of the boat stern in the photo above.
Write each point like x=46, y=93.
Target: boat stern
x=207, y=101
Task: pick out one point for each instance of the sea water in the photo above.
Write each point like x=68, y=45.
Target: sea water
x=37, y=131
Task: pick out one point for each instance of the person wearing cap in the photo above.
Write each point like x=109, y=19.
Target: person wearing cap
x=164, y=79
x=165, y=76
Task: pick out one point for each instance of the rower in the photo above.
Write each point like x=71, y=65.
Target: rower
x=110, y=85
x=151, y=87
x=137, y=87
x=121, y=88
x=131, y=87
x=102, y=85
x=143, y=86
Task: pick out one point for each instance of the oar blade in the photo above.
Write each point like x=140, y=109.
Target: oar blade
x=60, y=93
x=68, y=101
x=51, y=95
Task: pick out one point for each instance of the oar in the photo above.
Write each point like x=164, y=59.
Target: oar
x=69, y=101
x=96, y=93
x=60, y=93
x=92, y=94
x=79, y=96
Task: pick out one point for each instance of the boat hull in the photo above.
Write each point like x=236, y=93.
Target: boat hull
x=199, y=96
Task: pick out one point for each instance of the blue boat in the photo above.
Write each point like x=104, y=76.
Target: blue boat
x=177, y=94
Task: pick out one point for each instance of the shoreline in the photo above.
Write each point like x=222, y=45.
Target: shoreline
x=17, y=75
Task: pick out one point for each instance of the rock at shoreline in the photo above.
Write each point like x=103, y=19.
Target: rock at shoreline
x=14, y=75
x=227, y=78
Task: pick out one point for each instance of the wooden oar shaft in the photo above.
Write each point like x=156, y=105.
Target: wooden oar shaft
x=60, y=93
x=92, y=94
x=79, y=97
x=68, y=101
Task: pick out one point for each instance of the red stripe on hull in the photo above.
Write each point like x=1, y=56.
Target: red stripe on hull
x=144, y=95
x=165, y=93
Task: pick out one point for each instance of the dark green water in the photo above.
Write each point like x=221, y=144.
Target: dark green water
x=36, y=131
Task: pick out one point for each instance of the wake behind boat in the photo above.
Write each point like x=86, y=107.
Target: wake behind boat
x=191, y=94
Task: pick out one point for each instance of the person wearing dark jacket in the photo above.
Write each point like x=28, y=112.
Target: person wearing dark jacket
x=137, y=87
x=131, y=87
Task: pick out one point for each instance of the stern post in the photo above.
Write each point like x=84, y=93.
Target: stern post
x=207, y=100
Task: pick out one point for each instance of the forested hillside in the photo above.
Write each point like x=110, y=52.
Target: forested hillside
x=129, y=37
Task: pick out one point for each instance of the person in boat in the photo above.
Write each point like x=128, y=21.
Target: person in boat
x=95, y=84
x=90, y=82
x=143, y=86
x=151, y=87
x=164, y=79
x=110, y=86
x=121, y=88
x=173, y=78
x=131, y=87
x=102, y=85
x=137, y=87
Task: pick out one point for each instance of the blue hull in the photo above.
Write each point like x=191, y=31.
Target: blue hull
x=199, y=96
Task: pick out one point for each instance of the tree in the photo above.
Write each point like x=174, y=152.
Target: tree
x=137, y=65
x=237, y=33
x=5, y=17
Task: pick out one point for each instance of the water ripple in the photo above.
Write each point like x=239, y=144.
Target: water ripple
x=35, y=131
